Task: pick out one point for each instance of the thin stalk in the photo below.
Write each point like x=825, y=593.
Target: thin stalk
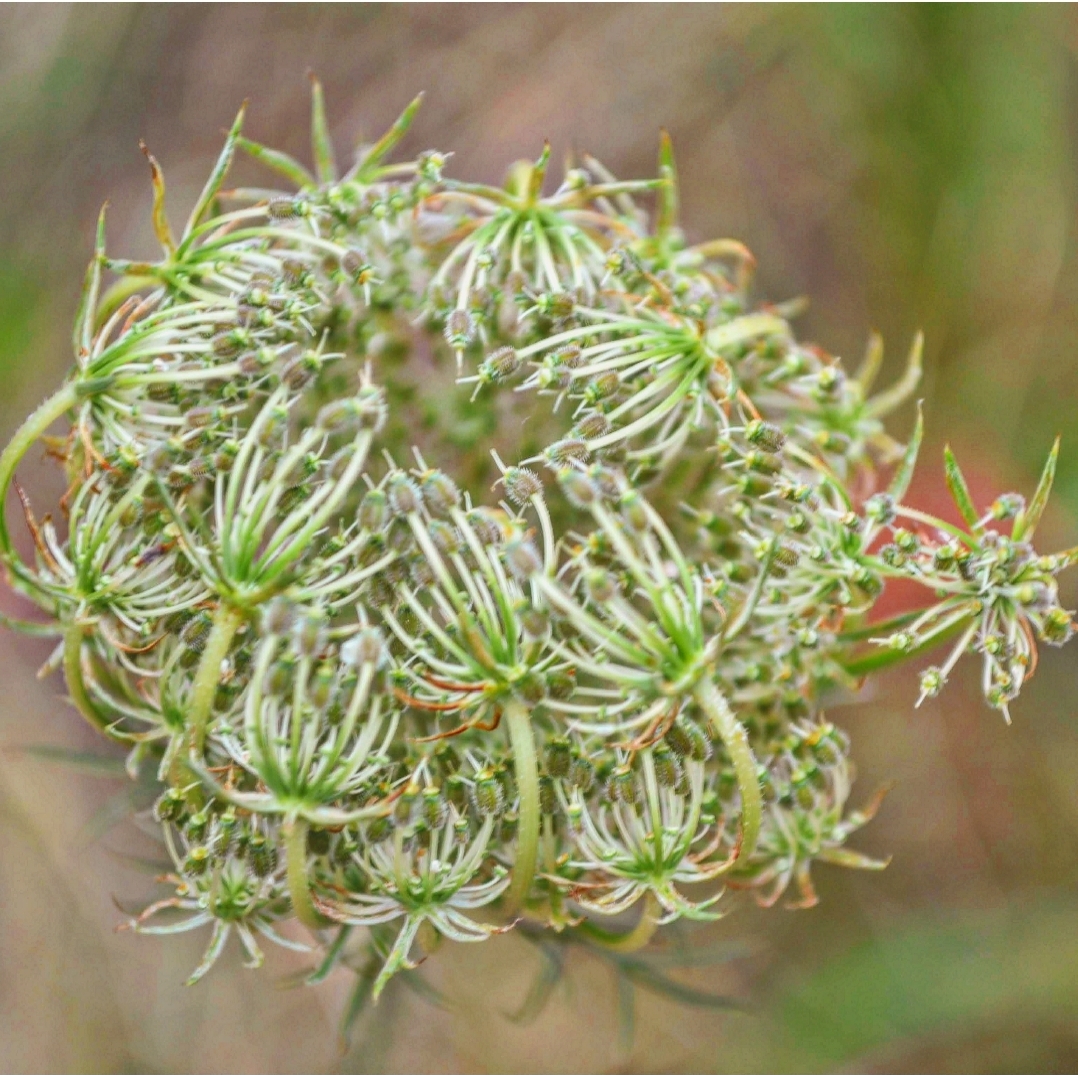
x=56, y=406
x=736, y=740
x=295, y=850
x=526, y=768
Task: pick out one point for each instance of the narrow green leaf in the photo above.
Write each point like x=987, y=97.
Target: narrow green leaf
x=642, y=975
x=1027, y=521
x=1066, y=558
x=276, y=161
x=626, y=1013
x=870, y=367
x=899, y=392
x=667, y=216
x=217, y=176
x=84, y=761
x=162, y=228
x=325, y=163
x=414, y=980
x=373, y=155
x=360, y=997
x=956, y=483
x=542, y=987
x=28, y=627
x=332, y=957
x=900, y=483
x=884, y=656
x=91, y=290
x=538, y=174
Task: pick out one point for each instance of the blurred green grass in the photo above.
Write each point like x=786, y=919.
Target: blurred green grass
x=905, y=167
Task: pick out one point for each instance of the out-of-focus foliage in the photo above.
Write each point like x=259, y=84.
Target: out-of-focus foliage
x=908, y=168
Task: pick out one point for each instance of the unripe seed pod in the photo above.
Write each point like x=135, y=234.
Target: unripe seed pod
x=339, y=416
x=1056, y=627
x=581, y=773
x=379, y=829
x=534, y=621
x=459, y=329
x=521, y=485
x=487, y=794
x=606, y=384
x=487, y=526
x=434, y=810
x=560, y=685
x=667, y=767
x=499, y=365
x=621, y=786
x=507, y=831
x=688, y=740
x=931, y=682
x=197, y=825
x=283, y=208
x=569, y=450
x=880, y=508
x=786, y=556
x=456, y=790
x=310, y=633
x=370, y=404
x=765, y=436
x=440, y=493
x=403, y=494
x=600, y=586
x=373, y=510
x=320, y=689
x=171, y=806
x=558, y=756
x=280, y=677
x=578, y=488
x=592, y=426
x=262, y=855
x=633, y=511
x=548, y=799
x=196, y=632
x=762, y=463
x=446, y=538
x=318, y=841
x=522, y=559
x=197, y=861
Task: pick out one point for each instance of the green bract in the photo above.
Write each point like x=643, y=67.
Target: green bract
x=380, y=695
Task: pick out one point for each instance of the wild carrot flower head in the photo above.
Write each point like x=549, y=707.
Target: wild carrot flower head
x=458, y=553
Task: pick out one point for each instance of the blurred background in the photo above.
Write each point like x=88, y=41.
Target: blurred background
x=903, y=166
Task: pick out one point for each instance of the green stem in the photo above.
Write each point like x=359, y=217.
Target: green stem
x=226, y=622
x=76, y=685
x=526, y=768
x=635, y=939
x=295, y=850
x=55, y=407
x=884, y=657
x=736, y=740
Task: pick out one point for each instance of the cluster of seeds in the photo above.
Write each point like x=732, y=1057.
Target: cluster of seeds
x=389, y=680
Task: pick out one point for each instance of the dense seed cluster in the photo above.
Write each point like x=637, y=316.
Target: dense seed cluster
x=389, y=679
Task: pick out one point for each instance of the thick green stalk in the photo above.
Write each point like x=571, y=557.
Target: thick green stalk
x=76, y=685
x=526, y=768
x=295, y=850
x=55, y=407
x=226, y=622
x=736, y=741
x=635, y=939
